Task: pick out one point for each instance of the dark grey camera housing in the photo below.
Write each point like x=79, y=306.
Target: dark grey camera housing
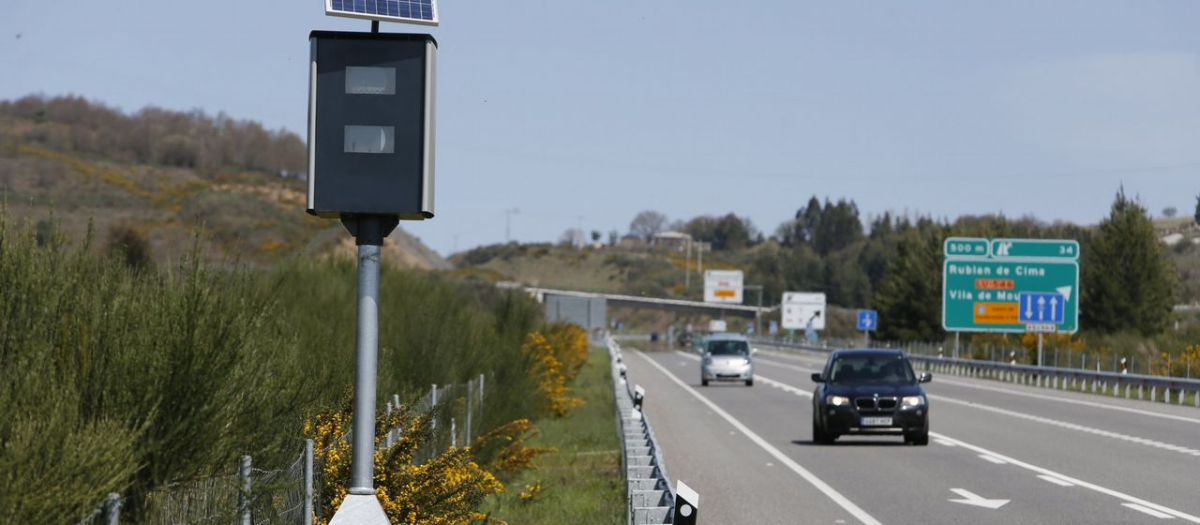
x=371, y=125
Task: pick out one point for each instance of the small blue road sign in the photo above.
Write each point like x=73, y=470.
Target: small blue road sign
x=1041, y=308
x=868, y=320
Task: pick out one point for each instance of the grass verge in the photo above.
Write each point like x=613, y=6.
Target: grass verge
x=581, y=482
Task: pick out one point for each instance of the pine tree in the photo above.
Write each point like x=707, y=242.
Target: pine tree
x=1129, y=283
x=909, y=296
x=1197, y=215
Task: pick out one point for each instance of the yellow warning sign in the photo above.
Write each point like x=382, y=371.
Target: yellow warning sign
x=996, y=313
x=725, y=293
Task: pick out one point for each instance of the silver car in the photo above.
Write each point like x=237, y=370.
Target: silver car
x=727, y=357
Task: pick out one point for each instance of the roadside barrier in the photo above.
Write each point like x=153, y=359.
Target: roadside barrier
x=1115, y=384
x=648, y=493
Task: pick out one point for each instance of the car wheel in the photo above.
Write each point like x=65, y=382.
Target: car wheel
x=818, y=436
x=703, y=382
x=749, y=382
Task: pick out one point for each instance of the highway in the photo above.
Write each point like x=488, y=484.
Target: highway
x=999, y=453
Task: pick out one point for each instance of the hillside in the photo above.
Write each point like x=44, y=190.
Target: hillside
x=166, y=177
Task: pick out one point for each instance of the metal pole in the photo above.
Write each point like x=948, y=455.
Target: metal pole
x=308, y=482
x=244, y=497
x=687, y=271
x=956, y=342
x=1040, y=362
x=362, y=460
x=758, y=315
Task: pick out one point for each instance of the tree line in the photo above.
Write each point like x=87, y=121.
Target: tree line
x=151, y=135
x=893, y=263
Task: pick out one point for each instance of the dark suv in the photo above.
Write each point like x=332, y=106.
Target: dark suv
x=870, y=392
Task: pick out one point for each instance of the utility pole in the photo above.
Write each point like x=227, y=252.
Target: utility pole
x=687, y=272
x=508, y=223
x=758, y=312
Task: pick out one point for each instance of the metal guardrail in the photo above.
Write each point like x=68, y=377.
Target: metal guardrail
x=1111, y=383
x=648, y=492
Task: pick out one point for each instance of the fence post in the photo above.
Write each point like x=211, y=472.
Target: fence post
x=470, y=394
x=112, y=509
x=453, y=437
x=387, y=440
x=244, y=498
x=308, y=482
x=432, y=404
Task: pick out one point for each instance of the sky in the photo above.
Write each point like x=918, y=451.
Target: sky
x=585, y=113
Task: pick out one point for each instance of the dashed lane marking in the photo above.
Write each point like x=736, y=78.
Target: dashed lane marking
x=1056, y=481
x=1146, y=510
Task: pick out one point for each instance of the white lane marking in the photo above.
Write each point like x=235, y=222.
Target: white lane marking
x=1055, y=422
x=971, y=498
x=1071, y=426
x=1152, y=512
x=816, y=482
x=1068, y=401
x=1090, y=486
x=1078, y=482
x=944, y=443
x=1043, y=397
x=992, y=459
x=1056, y=481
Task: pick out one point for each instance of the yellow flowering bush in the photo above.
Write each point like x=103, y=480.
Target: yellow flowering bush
x=445, y=490
x=570, y=344
x=550, y=373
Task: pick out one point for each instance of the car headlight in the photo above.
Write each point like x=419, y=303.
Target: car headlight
x=837, y=401
x=913, y=401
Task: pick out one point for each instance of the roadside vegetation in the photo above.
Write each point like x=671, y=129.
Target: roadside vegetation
x=117, y=375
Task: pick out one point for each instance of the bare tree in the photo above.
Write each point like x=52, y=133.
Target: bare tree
x=1170, y=212
x=647, y=223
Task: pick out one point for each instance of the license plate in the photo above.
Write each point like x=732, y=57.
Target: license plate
x=876, y=421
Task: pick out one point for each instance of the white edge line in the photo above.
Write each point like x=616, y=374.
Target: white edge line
x=829, y=492
x=992, y=459
x=1056, y=481
x=1149, y=511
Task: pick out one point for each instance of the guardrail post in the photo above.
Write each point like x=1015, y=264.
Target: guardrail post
x=1153, y=393
x=1196, y=398
x=1139, y=392
x=112, y=509
x=244, y=497
x=387, y=440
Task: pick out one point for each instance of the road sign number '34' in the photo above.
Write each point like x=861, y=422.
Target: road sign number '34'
x=867, y=320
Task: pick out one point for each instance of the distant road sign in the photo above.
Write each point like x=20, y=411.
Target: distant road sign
x=868, y=320
x=723, y=286
x=1005, y=293
x=799, y=309
x=966, y=247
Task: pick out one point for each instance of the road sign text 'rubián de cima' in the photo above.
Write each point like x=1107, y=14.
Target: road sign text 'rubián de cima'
x=1010, y=285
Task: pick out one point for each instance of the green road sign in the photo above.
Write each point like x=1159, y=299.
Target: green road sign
x=966, y=247
x=1035, y=248
x=997, y=293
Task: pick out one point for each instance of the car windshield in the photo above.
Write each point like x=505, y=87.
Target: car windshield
x=728, y=347
x=873, y=369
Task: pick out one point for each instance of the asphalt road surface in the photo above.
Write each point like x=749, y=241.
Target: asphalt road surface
x=998, y=453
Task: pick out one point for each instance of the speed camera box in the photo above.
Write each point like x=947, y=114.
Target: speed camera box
x=370, y=124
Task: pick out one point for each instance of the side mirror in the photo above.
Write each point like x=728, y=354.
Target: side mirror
x=817, y=378
x=925, y=377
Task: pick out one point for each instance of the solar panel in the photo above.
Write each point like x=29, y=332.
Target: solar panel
x=406, y=11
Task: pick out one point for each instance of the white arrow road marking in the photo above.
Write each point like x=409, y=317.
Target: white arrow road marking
x=1152, y=512
x=1056, y=481
x=980, y=450
x=971, y=498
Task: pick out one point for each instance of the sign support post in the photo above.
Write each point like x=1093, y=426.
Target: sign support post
x=1041, y=362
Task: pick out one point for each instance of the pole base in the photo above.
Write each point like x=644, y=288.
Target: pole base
x=360, y=509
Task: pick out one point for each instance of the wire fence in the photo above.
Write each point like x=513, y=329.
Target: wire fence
x=290, y=495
